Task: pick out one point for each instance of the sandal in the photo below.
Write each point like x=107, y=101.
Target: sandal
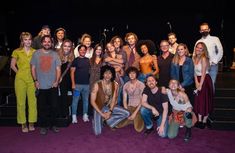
x=25, y=128
x=31, y=127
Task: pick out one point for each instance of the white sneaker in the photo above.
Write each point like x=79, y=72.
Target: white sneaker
x=85, y=118
x=74, y=119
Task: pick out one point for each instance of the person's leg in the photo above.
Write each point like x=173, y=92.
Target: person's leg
x=118, y=115
x=159, y=121
x=97, y=123
x=213, y=71
x=146, y=114
x=138, y=122
x=76, y=95
x=42, y=102
x=85, y=96
x=188, y=124
x=32, y=105
x=173, y=129
x=53, y=108
x=20, y=90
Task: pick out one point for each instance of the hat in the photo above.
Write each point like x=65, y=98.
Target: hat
x=45, y=27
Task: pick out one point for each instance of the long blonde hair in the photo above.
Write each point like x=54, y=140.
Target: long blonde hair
x=175, y=59
x=61, y=51
x=205, y=51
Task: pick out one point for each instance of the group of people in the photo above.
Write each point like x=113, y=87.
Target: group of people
x=125, y=84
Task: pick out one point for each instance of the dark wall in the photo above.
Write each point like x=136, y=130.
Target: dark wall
x=148, y=19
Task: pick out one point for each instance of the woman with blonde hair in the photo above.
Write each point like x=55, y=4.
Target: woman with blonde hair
x=66, y=56
x=204, y=87
x=24, y=84
x=86, y=40
x=182, y=69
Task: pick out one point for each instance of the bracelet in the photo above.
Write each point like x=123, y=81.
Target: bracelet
x=35, y=80
x=110, y=110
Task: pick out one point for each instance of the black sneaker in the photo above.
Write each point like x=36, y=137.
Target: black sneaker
x=55, y=129
x=43, y=131
x=188, y=134
x=148, y=131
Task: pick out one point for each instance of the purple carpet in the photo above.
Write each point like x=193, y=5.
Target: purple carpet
x=79, y=138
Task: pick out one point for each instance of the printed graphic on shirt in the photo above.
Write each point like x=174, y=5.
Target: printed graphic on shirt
x=45, y=63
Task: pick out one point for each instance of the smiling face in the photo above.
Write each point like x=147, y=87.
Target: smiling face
x=199, y=49
x=164, y=46
x=151, y=82
x=87, y=42
x=67, y=47
x=107, y=75
x=98, y=51
x=82, y=51
x=110, y=47
x=47, y=43
x=181, y=50
x=173, y=84
x=60, y=35
x=144, y=49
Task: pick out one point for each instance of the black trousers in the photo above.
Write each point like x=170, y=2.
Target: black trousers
x=47, y=107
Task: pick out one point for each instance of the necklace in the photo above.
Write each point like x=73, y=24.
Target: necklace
x=107, y=91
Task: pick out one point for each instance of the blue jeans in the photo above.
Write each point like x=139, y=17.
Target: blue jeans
x=142, y=77
x=213, y=71
x=147, y=117
x=119, y=114
x=84, y=91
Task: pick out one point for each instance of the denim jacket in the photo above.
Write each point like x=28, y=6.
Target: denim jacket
x=188, y=72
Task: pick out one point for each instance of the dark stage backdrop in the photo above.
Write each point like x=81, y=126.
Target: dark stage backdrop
x=148, y=19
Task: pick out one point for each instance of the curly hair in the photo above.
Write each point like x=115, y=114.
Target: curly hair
x=132, y=69
x=149, y=44
x=106, y=68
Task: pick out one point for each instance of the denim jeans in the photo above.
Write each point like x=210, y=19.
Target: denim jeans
x=84, y=91
x=142, y=77
x=119, y=114
x=213, y=71
x=147, y=117
x=173, y=128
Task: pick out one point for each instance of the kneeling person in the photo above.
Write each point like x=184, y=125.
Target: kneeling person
x=104, y=101
x=132, y=95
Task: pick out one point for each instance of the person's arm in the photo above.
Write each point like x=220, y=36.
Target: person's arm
x=114, y=98
x=33, y=72
x=155, y=65
x=195, y=78
x=189, y=107
x=58, y=74
x=124, y=97
x=93, y=102
x=72, y=71
x=133, y=115
x=145, y=104
x=13, y=64
x=190, y=73
x=219, y=48
x=204, y=68
x=160, y=129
